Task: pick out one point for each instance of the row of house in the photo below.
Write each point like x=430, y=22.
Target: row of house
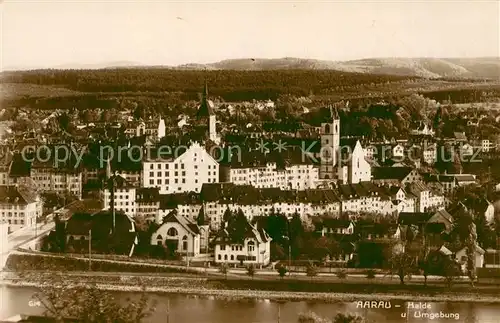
x=175, y=234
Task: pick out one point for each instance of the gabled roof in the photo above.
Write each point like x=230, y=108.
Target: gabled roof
x=17, y=194
x=414, y=218
x=479, y=204
x=189, y=226
x=226, y=236
x=334, y=223
x=147, y=195
x=396, y=173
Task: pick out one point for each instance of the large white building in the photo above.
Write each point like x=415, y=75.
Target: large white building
x=124, y=195
x=354, y=168
x=267, y=174
x=20, y=206
x=179, y=169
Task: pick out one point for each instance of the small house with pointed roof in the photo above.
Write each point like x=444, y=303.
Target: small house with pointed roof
x=178, y=234
x=460, y=255
x=254, y=247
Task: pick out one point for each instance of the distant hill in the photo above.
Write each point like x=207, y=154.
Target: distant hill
x=424, y=67
x=483, y=67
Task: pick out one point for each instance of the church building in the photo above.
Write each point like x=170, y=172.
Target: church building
x=346, y=162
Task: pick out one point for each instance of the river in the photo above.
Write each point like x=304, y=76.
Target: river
x=200, y=309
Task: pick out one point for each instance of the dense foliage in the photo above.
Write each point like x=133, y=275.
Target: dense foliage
x=252, y=84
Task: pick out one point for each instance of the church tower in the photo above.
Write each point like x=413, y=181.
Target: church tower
x=206, y=115
x=330, y=146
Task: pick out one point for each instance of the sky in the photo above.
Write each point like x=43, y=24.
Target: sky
x=57, y=32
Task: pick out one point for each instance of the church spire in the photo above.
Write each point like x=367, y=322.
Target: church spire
x=205, y=108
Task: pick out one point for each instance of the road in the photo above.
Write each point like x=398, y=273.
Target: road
x=22, y=237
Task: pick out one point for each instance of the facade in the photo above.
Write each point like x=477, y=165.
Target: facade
x=20, y=206
x=147, y=204
x=357, y=168
x=124, y=195
x=49, y=179
x=185, y=170
x=297, y=177
x=178, y=234
x=254, y=248
x=461, y=257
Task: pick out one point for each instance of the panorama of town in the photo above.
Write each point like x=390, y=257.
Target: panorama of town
x=212, y=191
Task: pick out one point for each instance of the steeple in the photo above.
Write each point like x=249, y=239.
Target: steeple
x=205, y=109
x=334, y=114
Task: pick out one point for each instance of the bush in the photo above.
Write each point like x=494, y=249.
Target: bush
x=342, y=274
x=251, y=270
x=311, y=270
x=311, y=317
x=370, y=274
x=282, y=271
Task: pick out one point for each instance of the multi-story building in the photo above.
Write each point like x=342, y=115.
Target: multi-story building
x=179, y=170
x=267, y=173
x=57, y=180
x=124, y=195
x=20, y=206
x=254, y=248
x=147, y=204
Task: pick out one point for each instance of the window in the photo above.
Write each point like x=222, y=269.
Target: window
x=151, y=181
x=151, y=166
x=225, y=257
x=159, y=240
x=232, y=257
x=219, y=257
x=176, y=166
x=223, y=247
x=182, y=166
x=159, y=166
x=152, y=174
x=184, y=243
x=251, y=246
x=172, y=232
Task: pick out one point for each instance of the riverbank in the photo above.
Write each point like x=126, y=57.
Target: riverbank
x=285, y=296
x=234, y=289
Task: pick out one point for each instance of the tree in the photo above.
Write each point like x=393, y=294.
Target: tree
x=347, y=318
x=471, y=253
x=87, y=303
x=282, y=271
x=200, y=220
x=311, y=270
x=223, y=269
x=64, y=121
x=226, y=217
x=403, y=265
x=251, y=270
x=450, y=272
